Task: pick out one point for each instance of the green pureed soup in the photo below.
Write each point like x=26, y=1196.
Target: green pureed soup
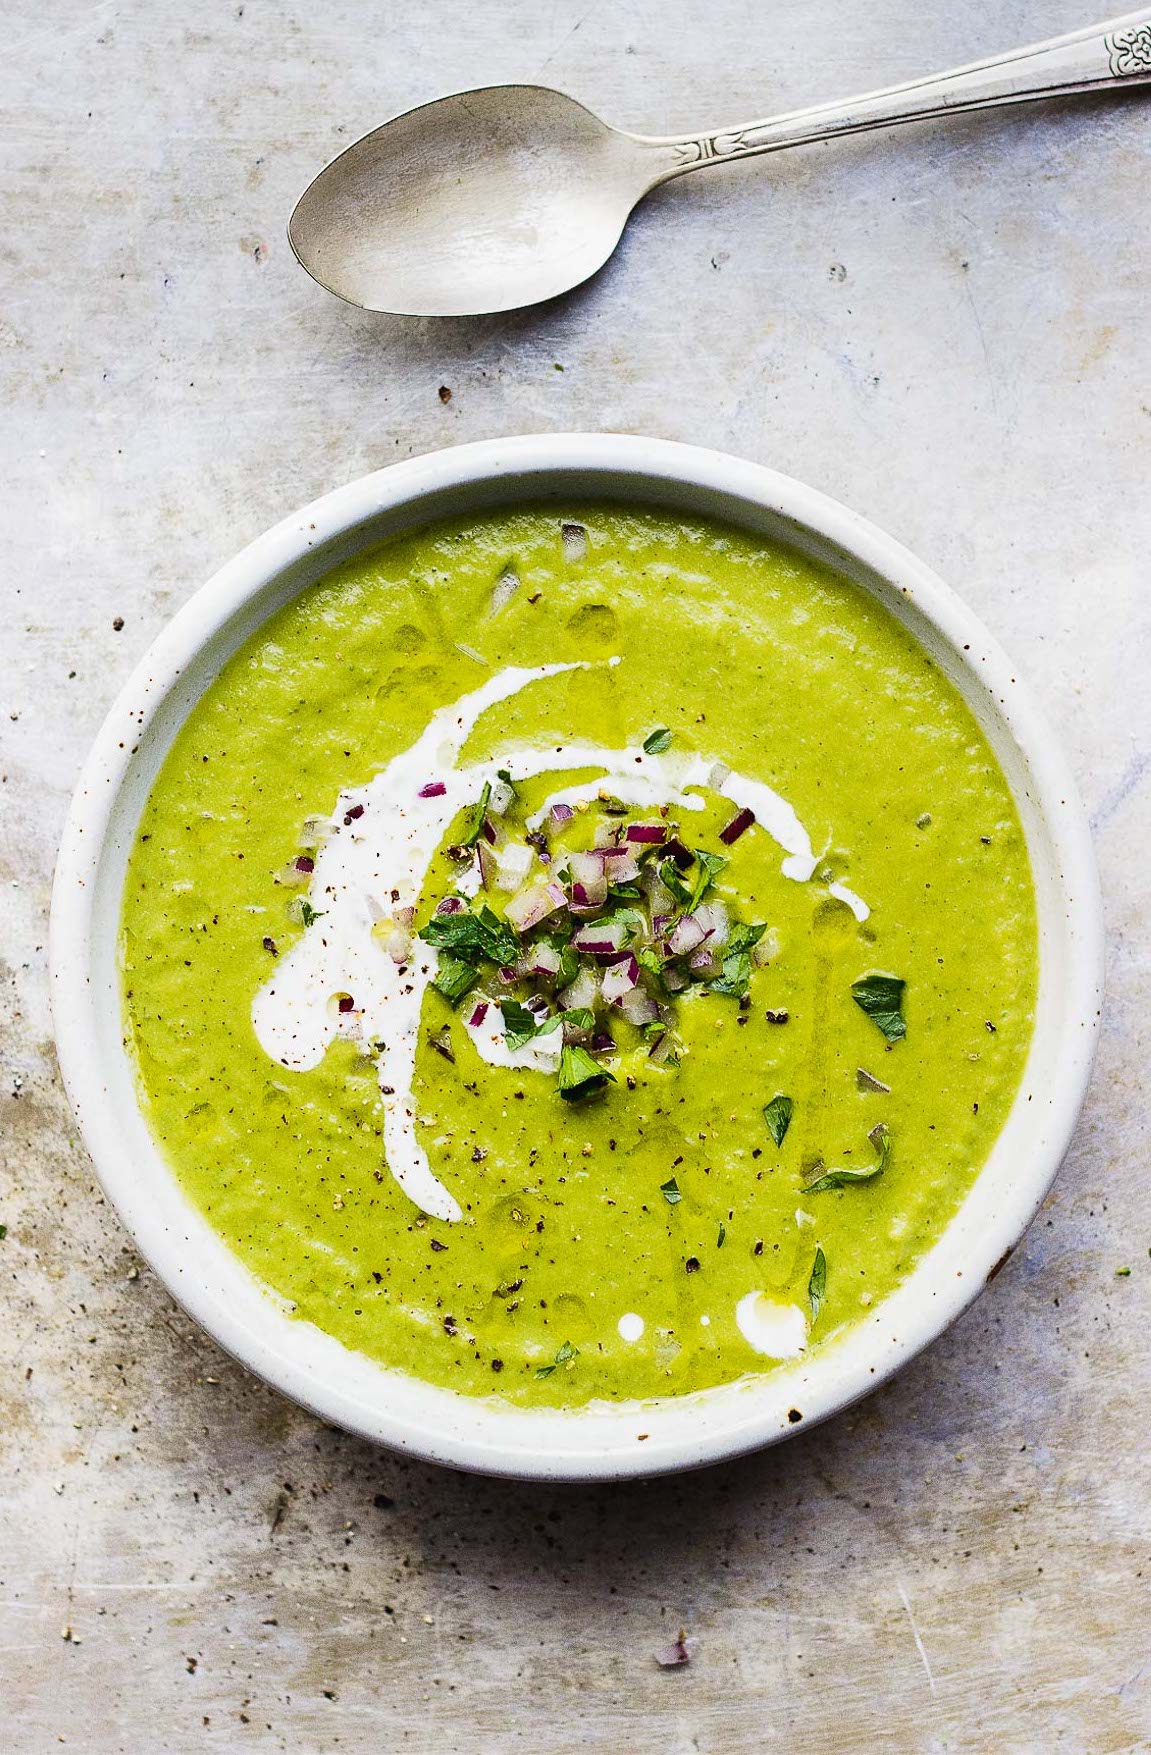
x=579, y=953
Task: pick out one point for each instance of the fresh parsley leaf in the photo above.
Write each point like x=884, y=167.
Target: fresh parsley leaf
x=566, y=1354
x=817, y=1285
x=881, y=997
x=580, y=1075
x=778, y=1114
x=670, y=1191
x=519, y=1023
x=880, y=1138
x=743, y=935
x=473, y=937
x=735, y=978
x=544, y=1370
x=651, y=961
x=657, y=741
x=722, y=1235
x=710, y=866
x=502, y=774
x=481, y=811
x=4, y=1233
x=670, y=879
x=576, y=1017
x=308, y=914
x=454, y=977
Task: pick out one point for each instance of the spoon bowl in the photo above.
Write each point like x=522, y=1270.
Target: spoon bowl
x=502, y=197
x=483, y=201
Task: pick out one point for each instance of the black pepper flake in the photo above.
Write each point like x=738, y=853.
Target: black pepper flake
x=117, y=623
x=497, y=1364
x=692, y=1264
x=450, y=1325
x=438, y=1246
x=794, y=1416
x=777, y=1017
x=445, y=394
x=350, y=816
x=270, y=945
x=758, y=1250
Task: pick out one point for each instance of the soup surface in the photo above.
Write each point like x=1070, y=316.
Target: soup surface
x=578, y=953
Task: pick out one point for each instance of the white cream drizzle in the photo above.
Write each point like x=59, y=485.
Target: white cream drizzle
x=374, y=865
x=778, y=1331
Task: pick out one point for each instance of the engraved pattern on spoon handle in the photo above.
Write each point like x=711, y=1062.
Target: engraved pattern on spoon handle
x=1102, y=57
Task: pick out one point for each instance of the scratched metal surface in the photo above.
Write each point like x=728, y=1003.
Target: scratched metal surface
x=945, y=327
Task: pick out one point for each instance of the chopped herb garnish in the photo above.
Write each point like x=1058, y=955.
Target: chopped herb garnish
x=473, y=937
x=670, y=1191
x=308, y=914
x=722, y=1235
x=481, y=811
x=657, y=742
x=845, y=1178
x=1120, y=1273
x=580, y=1075
x=710, y=866
x=744, y=935
x=4, y=1233
x=519, y=1023
x=817, y=1284
x=670, y=879
x=881, y=997
x=735, y=978
x=441, y=1041
x=454, y=978
x=567, y=1355
x=778, y=1114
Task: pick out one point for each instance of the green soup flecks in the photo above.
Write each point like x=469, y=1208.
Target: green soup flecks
x=579, y=953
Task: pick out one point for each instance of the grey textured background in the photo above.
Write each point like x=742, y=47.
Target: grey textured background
x=186, y=1562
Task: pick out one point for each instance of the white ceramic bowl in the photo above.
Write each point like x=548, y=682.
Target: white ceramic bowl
x=610, y=1440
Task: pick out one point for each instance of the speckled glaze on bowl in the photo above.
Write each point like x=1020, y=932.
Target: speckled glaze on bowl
x=603, y=1441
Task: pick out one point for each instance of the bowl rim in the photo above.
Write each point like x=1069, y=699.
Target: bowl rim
x=484, y=1434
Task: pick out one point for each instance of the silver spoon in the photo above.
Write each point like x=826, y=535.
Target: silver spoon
x=498, y=198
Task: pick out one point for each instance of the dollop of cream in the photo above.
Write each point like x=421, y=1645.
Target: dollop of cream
x=372, y=864
x=630, y=1326
x=778, y=1331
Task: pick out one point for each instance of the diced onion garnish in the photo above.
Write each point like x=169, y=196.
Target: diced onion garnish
x=433, y=789
x=559, y=814
x=647, y=834
x=581, y=995
x=686, y=934
x=451, y=905
x=501, y=797
x=589, y=880
x=513, y=863
x=621, y=978
x=535, y=904
x=574, y=541
x=639, y=1008
x=478, y=1015
x=738, y=825
x=601, y=938
x=400, y=945
x=718, y=776
x=504, y=589
x=713, y=917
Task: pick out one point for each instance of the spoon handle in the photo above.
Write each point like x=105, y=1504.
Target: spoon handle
x=1107, y=55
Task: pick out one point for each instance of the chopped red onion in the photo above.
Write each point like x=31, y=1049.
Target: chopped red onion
x=765, y=948
x=601, y=938
x=351, y=816
x=658, y=1052
x=488, y=831
x=648, y=833
x=478, y=1015
x=346, y=1003
x=601, y=1043
x=638, y=1007
x=488, y=864
x=543, y=959
x=581, y=995
x=560, y=813
x=718, y=775
x=713, y=917
x=400, y=945
x=535, y=904
x=574, y=538
x=404, y=916
x=504, y=589
x=738, y=826
x=607, y=833
x=701, y=961
x=434, y=789
x=686, y=934
x=682, y=855
x=589, y=880
x=450, y=905
x=622, y=976
x=501, y=797
x=509, y=973
x=305, y=863
x=673, y=979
